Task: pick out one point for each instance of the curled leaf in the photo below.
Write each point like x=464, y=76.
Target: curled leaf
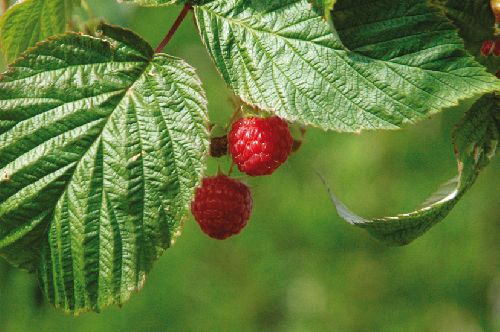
x=475, y=140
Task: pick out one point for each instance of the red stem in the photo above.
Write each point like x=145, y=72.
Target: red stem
x=174, y=27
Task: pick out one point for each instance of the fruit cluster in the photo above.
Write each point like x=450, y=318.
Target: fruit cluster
x=258, y=146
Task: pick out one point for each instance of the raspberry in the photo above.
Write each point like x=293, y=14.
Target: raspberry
x=487, y=47
x=222, y=206
x=260, y=145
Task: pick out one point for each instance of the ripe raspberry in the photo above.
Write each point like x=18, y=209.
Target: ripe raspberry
x=222, y=206
x=487, y=47
x=259, y=146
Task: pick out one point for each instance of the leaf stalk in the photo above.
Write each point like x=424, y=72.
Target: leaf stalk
x=175, y=26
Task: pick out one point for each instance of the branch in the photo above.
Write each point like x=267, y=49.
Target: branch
x=174, y=27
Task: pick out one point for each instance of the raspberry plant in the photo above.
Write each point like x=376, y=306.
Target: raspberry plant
x=103, y=140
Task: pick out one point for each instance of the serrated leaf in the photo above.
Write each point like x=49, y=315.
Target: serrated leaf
x=102, y=144
x=324, y=7
x=404, y=62
x=157, y=3
x=30, y=21
x=475, y=22
x=476, y=139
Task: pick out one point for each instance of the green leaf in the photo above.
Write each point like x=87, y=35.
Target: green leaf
x=157, y=3
x=324, y=7
x=388, y=68
x=475, y=139
x=102, y=144
x=475, y=22
x=30, y=21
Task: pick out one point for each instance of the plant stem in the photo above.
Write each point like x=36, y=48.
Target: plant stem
x=174, y=27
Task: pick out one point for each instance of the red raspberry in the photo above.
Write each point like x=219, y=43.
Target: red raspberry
x=260, y=145
x=222, y=206
x=487, y=47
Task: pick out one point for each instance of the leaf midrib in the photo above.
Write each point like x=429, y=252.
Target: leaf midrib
x=287, y=41
x=250, y=28
x=98, y=136
x=246, y=26
x=68, y=67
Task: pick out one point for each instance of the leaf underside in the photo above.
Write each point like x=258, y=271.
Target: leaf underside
x=401, y=63
x=30, y=21
x=99, y=159
x=475, y=139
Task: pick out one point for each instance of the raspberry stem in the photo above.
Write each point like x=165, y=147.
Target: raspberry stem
x=175, y=26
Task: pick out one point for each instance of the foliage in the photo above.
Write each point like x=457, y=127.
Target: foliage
x=99, y=158
x=475, y=140
x=279, y=57
x=30, y=21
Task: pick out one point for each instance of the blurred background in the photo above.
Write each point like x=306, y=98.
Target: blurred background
x=297, y=266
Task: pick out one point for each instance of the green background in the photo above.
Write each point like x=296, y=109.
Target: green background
x=297, y=266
